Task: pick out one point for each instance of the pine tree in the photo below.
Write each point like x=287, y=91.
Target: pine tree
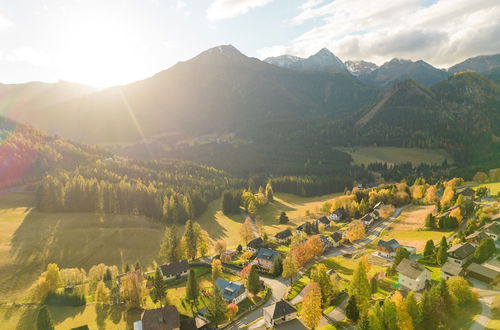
x=376, y=318
x=216, y=307
x=283, y=218
x=427, y=312
x=442, y=254
x=413, y=309
x=374, y=284
x=159, y=290
x=360, y=287
x=390, y=313
x=192, y=286
x=168, y=248
x=277, y=268
x=429, y=248
x=269, y=192
x=253, y=281
x=191, y=240
x=319, y=275
x=44, y=319
x=352, y=310
x=364, y=322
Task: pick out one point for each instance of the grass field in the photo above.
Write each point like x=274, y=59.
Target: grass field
x=30, y=239
x=394, y=155
x=494, y=187
x=407, y=229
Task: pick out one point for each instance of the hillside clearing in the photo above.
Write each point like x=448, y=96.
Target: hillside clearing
x=494, y=187
x=395, y=155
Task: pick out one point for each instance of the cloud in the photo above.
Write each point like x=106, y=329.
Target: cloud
x=28, y=55
x=442, y=32
x=224, y=9
x=5, y=22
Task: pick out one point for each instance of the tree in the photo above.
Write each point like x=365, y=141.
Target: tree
x=431, y=195
x=133, y=289
x=356, y=231
x=480, y=177
x=283, y=218
x=192, y=286
x=442, y=254
x=429, y=248
x=216, y=269
x=102, y=293
x=427, y=312
x=203, y=241
x=314, y=246
x=413, y=309
x=53, y=277
x=360, y=287
x=311, y=305
x=232, y=310
x=404, y=319
x=289, y=269
x=461, y=290
x=484, y=250
x=253, y=281
x=44, y=319
x=373, y=284
x=482, y=191
x=269, y=192
x=364, y=322
x=390, y=313
x=319, y=275
x=220, y=246
x=277, y=268
x=386, y=211
x=457, y=214
x=430, y=221
x=239, y=248
x=191, y=238
x=159, y=290
x=401, y=253
x=376, y=318
x=351, y=310
x=216, y=307
x=246, y=230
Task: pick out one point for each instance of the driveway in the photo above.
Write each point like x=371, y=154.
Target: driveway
x=486, y=297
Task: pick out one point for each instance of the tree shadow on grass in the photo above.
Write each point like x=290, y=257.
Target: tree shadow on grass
x=27, y=319
x=330, y=264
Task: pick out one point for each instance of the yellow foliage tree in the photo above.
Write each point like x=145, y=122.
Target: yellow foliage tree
x=102, y=293
x=386, y=211
x=310, y=312
x=216, y=269
x=404, y=318
x=480, y=177
x=431, y=195
x=457, y=214
x=417, y=192
x=220, y=246
x=356, y=231
x=133, y=289
x=448, y=195
x=246, y=230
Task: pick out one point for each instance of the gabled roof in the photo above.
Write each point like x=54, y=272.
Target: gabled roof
x=336, y=236
x=339, y=212
x=390, y=245
x=461, y=251
x=165, y=318
x=280, y=309
x=174, y=268
x=379, y=204
x=267, y=254
x=229, y=290
x=479, y=235
x=410, y=268
x=324, y=239
x=484, y=271
x=301, y=227
x=493, y=228
x=283, y=234
x=324, y=220
x=451, y=268
x=466, y=191
x=367, y=217
x=255, y=243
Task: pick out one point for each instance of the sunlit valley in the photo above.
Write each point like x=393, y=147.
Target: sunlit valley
x=195, y=179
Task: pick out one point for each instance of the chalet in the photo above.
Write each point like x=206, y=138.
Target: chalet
x=300, y=229
x=336, y=239
x=467, y=192
x=368, y=219
x=450, y=269
x=232, y=292
x=175, y=270
x=339, y=215
x=283, y=236
x=279, y=313
x=167, y=318
x=460, y=254
x=324, y=221
x=492, y=230
x=255, y=244
x=413, y=275
x=477, y=237
x=387, y=248
x=326, y=242
x=482, y=273
x=265, y=258
x=410, y=249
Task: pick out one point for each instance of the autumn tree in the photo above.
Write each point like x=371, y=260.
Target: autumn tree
x=457, y=214
x=220, y=246
x=356, y=231
x=44, y=319
x=386, y=211
x=480, y=177
x=102, y=293
x=232, y=310
x=289, y=269
x=461, y=290
x=404, y=319
x=159, y=289
x=133, y=289
x=319, y=275
x=216, y=269
x=53, y=277
x=311, y=311
x=246, y=230
x=431, y=195
x=360, y=287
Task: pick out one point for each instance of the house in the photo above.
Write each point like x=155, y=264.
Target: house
x=410, y=249
x=324, y=221
x=333, y=273
x=232, y=292
x=450, y=269
x=492, y=230
x=279, y=313
x=377, y=206
x=387, y=248
x=175, y=270
x=477, y=237
x=336, y=239
x=467, y=192
x=283, y=236
x=265, y=258
x=413, y=275
x=482, y=273
x=461, y=253
x=300, y=229
x=166, y=318
x=368, y=219
x=254, y=245
x=326, y=242
x=339, y=215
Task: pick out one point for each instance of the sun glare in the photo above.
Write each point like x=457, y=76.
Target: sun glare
x=101, y=52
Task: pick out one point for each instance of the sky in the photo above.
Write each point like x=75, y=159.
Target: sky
x=109, y=42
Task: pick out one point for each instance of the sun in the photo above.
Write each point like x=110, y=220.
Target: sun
x=101, y=52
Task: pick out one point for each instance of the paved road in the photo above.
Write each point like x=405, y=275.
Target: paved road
x=486, y=297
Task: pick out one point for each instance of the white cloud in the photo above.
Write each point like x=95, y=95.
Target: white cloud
x=223, y=9
x=4, y=22
x=28, y=55
x=441, y=33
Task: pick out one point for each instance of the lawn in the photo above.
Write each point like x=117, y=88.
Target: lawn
x=30, y=239
x=395, y=155
x=494, y=187
x=96, y=317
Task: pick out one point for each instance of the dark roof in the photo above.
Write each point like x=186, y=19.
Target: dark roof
x=283, y=234
x=461, y=251
x=467, y=191
x=336, y=236
x=410, y=268
x=174, y=268
x=493, y=227
x=229, y=290
x=188, y=324
x=255, y=243
x=339, y=212
x=482, y=270
x=164, y=318
x=266, y=254
x=390, y=245
x=280, y=309
x=367, y=217
x=301, y=227
x=324, y=220
x=451, y=268
x=479, y=235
